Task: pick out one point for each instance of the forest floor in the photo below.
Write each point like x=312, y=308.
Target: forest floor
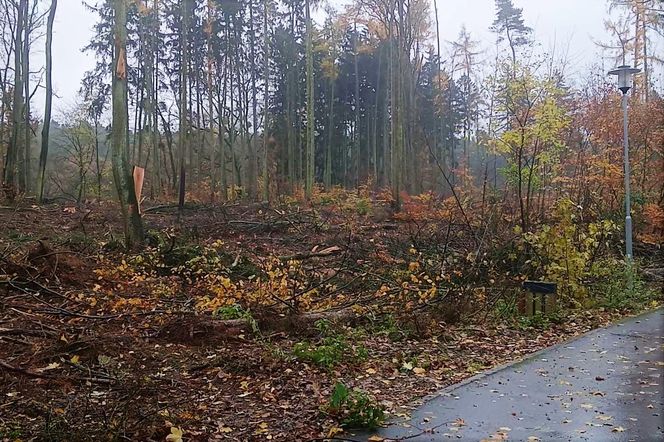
x=240, y=322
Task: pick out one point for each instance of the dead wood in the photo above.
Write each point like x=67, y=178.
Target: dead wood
x=288, y=322
x=330, y=251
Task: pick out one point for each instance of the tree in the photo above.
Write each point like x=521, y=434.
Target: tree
x=266, y=97
x=49, y=102
x=633, y=32
x=183, y=129
x=509, y=25
x=311, y=122
x=122, y=174
x=534, y=135
x=77, y=151
x=16, y=141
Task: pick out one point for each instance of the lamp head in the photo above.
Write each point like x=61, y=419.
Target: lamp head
x=625, y=76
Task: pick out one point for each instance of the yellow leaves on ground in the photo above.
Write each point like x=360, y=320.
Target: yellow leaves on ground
x=176, y=435
x=334, y=431
x=263, y=428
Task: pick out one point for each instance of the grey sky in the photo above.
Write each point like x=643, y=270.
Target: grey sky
x=563, y=22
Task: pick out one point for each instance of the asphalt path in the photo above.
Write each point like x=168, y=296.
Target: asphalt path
x=603, y=386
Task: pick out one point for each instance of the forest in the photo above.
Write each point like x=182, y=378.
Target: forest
x=288, y=219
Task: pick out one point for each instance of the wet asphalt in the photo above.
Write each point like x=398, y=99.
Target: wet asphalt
x=603, y=386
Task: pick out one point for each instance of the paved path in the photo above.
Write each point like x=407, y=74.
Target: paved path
x=604, y=386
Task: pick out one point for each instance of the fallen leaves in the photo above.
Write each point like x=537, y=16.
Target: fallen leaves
x=176, y=435
x=240, y=380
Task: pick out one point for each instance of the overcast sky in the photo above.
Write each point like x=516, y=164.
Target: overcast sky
x=573, y=23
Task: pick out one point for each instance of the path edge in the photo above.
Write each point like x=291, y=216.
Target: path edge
x=445, y=391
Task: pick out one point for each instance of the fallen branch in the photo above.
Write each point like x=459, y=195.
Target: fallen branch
x=24, y=332
x=334, y=250
x=32, y=374
x=282, y=322
x=25, y=372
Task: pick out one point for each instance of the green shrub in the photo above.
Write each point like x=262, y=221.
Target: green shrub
x=331, y=350
x=622, y=287
x=354, y=408
x=507, y=307
x=363, y=206
x=232, y=311
x=538, y=321
x=328, y=354
x=565, y=251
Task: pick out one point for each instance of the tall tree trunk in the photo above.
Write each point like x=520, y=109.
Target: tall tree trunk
x=437, y=132
x=374, y=137
x=330, y=137
x=251, y=144
x=356, y=131
x=184, y=78
x=210, y=64
x=46, y=129
x=223, y=185
x=124, y=183
x=14, y=147
x=266, y=109
x=310, y=158
x=97, y=158
x=290, y=104
x=24, y=172
x=154, y=99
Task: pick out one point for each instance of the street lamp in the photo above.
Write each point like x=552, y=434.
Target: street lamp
x=625, y=75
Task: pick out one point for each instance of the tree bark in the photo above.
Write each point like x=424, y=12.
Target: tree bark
x=266, y=109
x=17, y=107
x=46, y=129
x=310, y=165
x=124, y=183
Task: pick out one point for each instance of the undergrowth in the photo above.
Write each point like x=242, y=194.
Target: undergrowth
x=354, y=408
x=332, y=349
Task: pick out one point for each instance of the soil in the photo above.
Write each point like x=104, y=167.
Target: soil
x=90, y=357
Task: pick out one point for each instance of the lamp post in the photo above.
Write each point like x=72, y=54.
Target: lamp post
x=625, y=76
